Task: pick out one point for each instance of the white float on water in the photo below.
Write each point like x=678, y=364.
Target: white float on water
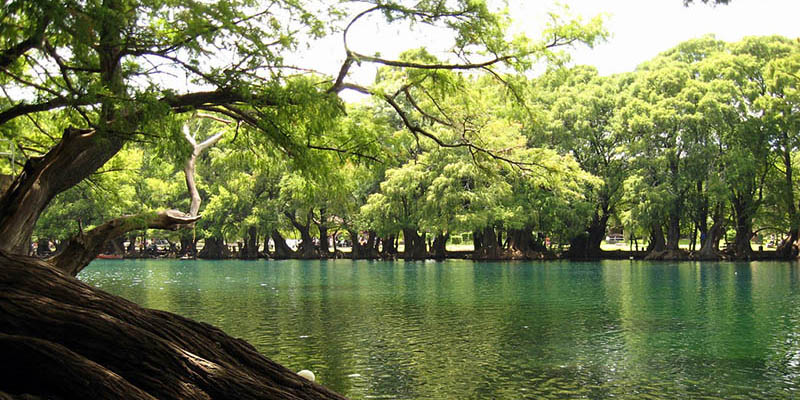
x=307, y=374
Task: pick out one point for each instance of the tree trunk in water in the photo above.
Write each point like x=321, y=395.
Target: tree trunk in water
x=744, y=229
x=65, y=346
x=282, y=250
x=415, y=246
x=587, y=245
x=250, y=249
x=389, y=247
x=214, y=249
x=438, y=248
x=357, y=250
x=487, y=246
x=371, y=246
x=788, y=249
x=524, y=246
x=657, y=243
x=188, y=246
x=674, y=232
x=741, y=243
x=307, y=249
x=710, y=246
x=324, y=249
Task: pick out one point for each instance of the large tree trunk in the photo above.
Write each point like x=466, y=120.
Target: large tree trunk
x=415, y=247
x=742, y=212
x=389, y=247
x=250, y=249
x=524, y=246
x=487, y=245
x=282, y=250
x=674, y=231
x=358, y=250
x=702, y=213
x=307, y=250
x=188, y=245
x=131, y=245
x=65, y=346
x=43, y=247
x=438, y=248
x=322, y=226
x=587, y=245
x=79, y=154
x=710, y=245
x=657, y=243
x=372, y=244
x=214, y=249
x=788, y=249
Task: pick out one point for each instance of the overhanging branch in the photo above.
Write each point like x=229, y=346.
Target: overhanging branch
x=82, y=248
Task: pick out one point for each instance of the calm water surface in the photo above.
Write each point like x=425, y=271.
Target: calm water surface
x=463, y=330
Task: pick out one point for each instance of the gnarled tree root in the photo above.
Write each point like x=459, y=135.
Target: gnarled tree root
x=61, y=338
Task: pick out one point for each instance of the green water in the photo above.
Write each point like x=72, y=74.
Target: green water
x=463, y=330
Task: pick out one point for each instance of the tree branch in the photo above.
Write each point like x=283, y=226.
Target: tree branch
x=82, y=248
x=11, y=54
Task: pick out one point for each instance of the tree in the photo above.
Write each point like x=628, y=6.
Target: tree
x=582, y=123
x=99, y=67
x=738, y=78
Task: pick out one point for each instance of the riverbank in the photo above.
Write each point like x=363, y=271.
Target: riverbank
x=468, y=254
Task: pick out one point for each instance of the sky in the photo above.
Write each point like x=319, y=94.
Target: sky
x=639, y=30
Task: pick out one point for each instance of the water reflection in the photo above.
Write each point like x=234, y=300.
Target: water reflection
x=497, y=330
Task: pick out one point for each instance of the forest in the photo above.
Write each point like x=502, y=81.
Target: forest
x=194, y=122
x=697, y=143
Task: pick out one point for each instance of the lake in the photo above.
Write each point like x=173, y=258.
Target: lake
x=517, y=330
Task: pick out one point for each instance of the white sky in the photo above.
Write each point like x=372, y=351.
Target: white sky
x=640, y=29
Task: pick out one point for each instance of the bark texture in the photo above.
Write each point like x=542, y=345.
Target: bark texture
x=60, y=333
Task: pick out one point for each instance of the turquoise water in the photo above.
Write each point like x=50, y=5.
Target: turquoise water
x=464, y=330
